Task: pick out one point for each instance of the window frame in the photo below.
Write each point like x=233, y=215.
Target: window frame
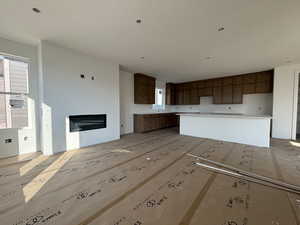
x=25, y=95
x=157, y=106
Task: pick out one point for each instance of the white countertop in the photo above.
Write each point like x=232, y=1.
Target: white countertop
x=226, y=115
x=150, y=113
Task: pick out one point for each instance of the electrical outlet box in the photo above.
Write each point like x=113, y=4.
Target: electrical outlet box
x=8, y=141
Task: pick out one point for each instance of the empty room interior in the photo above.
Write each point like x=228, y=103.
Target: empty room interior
x=146, y=112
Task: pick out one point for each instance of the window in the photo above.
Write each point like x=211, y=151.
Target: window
x=13, y=93
x=159, y=104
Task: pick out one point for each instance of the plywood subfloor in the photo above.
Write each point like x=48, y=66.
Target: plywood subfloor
x=151, y=179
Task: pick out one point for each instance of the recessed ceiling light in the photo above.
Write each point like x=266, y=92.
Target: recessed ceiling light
x=138, y=21
x=221, y=29
x=36, y=10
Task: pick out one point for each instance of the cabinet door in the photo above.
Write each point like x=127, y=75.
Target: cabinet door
x=148, y=124
x=170, y=94
x=180, y=96
x=227, y=81
x=195, y=99
x=204, y=92
x=217, y=95
x=249, y=88
x=264, y=87
x=237, y=94
x=217, y=82
x=249, y=78
x=187, y=94
x=227, y=94
x=237, y=80
x=151, y=91
x=264, y=76
x=144, y=89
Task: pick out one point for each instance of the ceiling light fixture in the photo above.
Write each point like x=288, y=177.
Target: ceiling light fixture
x=36, y=10
x=138, y=21
x=221, y=29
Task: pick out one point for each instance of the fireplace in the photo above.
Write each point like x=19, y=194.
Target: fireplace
x=87, y=122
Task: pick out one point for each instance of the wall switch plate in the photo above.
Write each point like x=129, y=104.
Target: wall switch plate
x=8, y=141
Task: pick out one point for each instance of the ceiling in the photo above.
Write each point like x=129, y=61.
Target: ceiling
x=179, y=39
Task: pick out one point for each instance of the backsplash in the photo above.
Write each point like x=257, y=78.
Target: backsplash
x=254, y=104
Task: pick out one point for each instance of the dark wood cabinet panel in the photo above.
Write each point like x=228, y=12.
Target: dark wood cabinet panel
x=187, y=94
x=263, y=87
x=237, y=80
x=209, y=83
x=226, y=90
x=170, y=94
x=149, y=122
x=227, y=94
x=217, y=82
x=217, y=94
x=249, y=78
x=249, y=88
x=266, y=76
x=237, y=95
x=201, y=84
x=179, y=95
x=194, y=98
x=227, y=81
x=204, y=92
x=144, y=89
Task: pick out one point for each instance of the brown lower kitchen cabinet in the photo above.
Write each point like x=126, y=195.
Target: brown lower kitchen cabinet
x=149, y=122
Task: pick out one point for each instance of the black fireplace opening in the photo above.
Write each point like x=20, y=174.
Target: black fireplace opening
x=87, y=122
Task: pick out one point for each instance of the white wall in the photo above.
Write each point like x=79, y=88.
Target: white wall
x=65, y=94
x=284, y=101
x=25, y=140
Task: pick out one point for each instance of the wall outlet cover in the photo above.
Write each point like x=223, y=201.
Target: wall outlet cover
x=8, y=141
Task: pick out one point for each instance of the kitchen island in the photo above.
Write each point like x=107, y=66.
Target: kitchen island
x=239, y=128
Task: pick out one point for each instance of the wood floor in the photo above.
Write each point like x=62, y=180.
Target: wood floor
x=150, y=179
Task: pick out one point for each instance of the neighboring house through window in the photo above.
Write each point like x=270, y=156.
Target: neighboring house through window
x=13, y=93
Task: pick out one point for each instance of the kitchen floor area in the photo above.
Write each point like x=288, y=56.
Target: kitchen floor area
x=151, y=178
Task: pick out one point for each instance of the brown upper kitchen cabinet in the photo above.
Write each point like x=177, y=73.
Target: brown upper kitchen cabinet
x=237, y=94
x=144, y=89
x=194, y=98
x=264, y=82
x=170, y=94
x=217, y=95
x=225, y=90
x=227, y=94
